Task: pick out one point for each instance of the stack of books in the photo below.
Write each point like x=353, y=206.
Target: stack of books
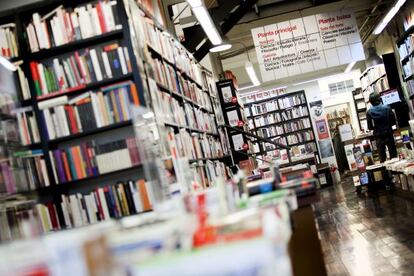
x=90, y=159
x=8, y=42
x=258, y=109
x=65, y=25
x=111, y=201
x=63, y=116
x=267, y=119
x=80, y=68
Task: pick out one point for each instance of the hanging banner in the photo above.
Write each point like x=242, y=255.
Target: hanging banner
x=307, y=44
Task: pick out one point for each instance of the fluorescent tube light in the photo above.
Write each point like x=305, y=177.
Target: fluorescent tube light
x=252, y=74
x=7, y=64
x=391, y=13
x=220, y=48
x=349, y=67
x=195, y=3
x=207, y=24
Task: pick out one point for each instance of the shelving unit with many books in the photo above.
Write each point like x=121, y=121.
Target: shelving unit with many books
x=182, y=95
x=284, y=118
x=406, y=50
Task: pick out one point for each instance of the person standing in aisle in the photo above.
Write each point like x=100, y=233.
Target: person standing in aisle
x=381, y=119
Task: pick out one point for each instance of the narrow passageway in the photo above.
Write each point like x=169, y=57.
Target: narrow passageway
x=363, y=235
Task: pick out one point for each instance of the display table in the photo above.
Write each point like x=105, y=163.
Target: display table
x=305, y=247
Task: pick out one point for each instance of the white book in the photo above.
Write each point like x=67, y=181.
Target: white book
x=34, y=44
x=104, y=204
x=85, y=23
x=42, y=79
x=20, y=123
x=94, y=19
x=136, y=197
x=39, y=31
x=83, y=211
x=53, y=102
x=59, y=74
x=50, y=127
x=106, y=64
x=62, y=120
x=60, y=23
x=66, y=217
x=35, y=129
x=108, y=15
x=90, y=209
x=76, y=212
x=122, y=60
x=95, y=64
x=78, y=121
x=75, y=24
x=24, y=85
x=55, y=121
x=96, y=110
x=55, y=31
x=46, y=36
x=68, y=73
x=44, y=172
x=52, y=159
x=70, y=32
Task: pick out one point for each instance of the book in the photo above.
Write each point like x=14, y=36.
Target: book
x=27, y=124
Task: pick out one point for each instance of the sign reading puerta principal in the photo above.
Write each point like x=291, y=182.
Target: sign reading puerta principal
x=307, y=44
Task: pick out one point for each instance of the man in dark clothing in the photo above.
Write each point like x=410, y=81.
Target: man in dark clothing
x=381, y=118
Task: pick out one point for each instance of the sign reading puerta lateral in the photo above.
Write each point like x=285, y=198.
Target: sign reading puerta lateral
x=307, y=44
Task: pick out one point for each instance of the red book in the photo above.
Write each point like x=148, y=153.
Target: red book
x=72, y=119
x=78, y=61
x=66, y=166
x=134, y=94
x=98, y=203
x=53, y=217
x=77, y=162
x=101, y=17
x=35, y=77
x=75, y=70
x=85, y=156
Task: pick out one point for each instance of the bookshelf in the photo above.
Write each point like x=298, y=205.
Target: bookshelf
x=405, y=46
x=285, y=118
x=191, y=86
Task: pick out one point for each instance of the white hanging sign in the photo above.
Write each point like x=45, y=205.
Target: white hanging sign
x=307, y=44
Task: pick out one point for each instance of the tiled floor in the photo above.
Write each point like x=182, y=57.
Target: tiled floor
x=365, y=235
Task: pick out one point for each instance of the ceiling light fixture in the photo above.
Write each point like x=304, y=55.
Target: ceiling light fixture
x=349, y=67
x=7, y=64
x=204, y=18
x=391, y=13
x=221, y=47
x=252, y=73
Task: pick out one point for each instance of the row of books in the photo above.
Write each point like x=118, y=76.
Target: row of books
x=164, y=74
x=408, y=68
x=65, y=25
x=111, y=201
x=195, y=146
x=63, y=116
x=80, y=68
x=293, y=113
x=297, y=125
x=150, y=35
x=24, y=171
x=280, y=140
x=200, y=120
x=372, y=75
x=206, y=175
x=287, y=102
x=194, y=93
x=265, y=107
x=259, y=96
x=407, y=47
x=8, y=43
x=28, y=128
x=280, y=155
x=271, y=131
x=379, y=86
x=303, y=151
x=91, y=159
x=267, y=119
x=337, y=114
x=18, y=220
x=299, y=137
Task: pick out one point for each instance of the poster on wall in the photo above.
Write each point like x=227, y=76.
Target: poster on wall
x=322, y=129
x=316, y=109
x=307, y=44
x=325, y=146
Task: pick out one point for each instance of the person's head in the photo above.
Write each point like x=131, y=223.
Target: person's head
x=374, y=98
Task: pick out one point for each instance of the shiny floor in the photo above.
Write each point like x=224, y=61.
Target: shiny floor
x=363, y=235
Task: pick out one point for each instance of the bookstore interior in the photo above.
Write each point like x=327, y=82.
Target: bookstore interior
x=191, y=137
